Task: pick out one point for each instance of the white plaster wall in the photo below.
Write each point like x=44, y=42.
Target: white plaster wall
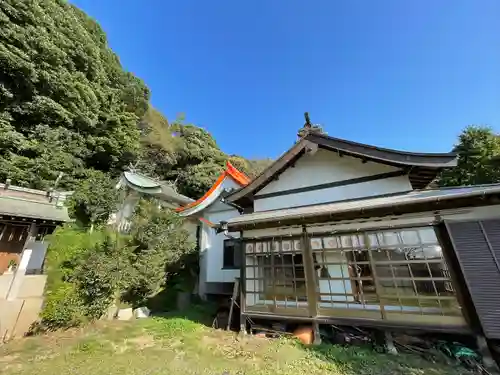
x=204, y=245
x=229, y=184
x=212, y=244
x=214, y=248
x=365, y=189
x=325, y=167
x=124, y=212
x=322, y=167
x=129, y=206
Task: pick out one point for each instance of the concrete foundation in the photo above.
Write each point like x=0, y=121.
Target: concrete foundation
x=21, y=300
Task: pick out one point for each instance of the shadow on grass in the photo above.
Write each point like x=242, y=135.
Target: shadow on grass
x=164, y=305
x=196, y=312
x=360, y=360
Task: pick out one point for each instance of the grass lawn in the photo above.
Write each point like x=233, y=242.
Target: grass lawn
x=180, y=346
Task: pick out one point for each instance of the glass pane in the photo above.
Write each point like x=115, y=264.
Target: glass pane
x=410, y=237
x=408, y=263
x=427, y=235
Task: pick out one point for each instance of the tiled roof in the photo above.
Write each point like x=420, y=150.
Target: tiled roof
x=33, y=209
x=362, y=204
x=423, y=167
x=162, y=190
x=239, y=177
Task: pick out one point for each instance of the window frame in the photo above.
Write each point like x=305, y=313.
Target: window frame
x=380, y=256
x=275, y=273
x=233, y=248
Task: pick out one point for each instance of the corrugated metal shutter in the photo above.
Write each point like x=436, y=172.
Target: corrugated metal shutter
x=477, y=245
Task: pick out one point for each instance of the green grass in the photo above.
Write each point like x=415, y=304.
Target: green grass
x=173, y=345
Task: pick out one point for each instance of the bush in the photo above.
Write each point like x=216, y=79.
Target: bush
x=163, y=251
x=68, y=246
x=62, y=308
x=89, y=271
x=105, y=275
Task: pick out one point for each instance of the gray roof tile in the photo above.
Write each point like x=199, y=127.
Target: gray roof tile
x=33, y=209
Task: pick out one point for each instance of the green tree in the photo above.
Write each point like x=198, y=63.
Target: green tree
x=163, y=249
x=478, y=151
x=66, y=104
x=180, y=152
x=94, y=199
x=251, y=167
x=187, y=154
x=159, y=145
x=104, y=275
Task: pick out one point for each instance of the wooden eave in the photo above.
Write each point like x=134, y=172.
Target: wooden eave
x=433, y=206
x=422, y=167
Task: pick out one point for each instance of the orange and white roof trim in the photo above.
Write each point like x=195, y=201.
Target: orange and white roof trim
x=215, y=191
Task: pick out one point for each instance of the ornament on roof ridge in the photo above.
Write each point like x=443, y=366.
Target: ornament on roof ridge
x=309, y=127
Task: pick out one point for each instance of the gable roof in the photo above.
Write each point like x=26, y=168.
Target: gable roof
x=215, y=191
x=159, y=189
x=25, y=208
x=34, y=204
x=422, y=167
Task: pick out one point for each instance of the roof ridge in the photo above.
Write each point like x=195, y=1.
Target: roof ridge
x=231, y=171
x=239, y=177
x=23, y=189
x=144, y=176
x=326, y=136
x=26, y=200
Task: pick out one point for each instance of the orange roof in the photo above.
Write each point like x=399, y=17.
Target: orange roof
x=239, y=177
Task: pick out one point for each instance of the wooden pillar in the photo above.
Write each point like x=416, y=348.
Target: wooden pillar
x=312, y=293
x=242, y=286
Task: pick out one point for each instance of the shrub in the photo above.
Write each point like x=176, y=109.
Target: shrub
x=162, y=250
x=89, y=271
x=105, y=275
x=62, y=308
x=68, y=246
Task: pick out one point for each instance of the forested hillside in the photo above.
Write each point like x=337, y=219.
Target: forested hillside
x=67, y=105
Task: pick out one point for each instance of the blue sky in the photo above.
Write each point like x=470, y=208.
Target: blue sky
x=401, y=74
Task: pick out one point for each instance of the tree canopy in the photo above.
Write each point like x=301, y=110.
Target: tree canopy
x=186, y=154
x=478, y=149
x=94, y=199
x=67, y=105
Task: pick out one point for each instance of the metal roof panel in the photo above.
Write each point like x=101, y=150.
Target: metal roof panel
x=412, y=197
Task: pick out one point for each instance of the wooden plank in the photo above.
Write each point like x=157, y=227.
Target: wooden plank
x=234, y=297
